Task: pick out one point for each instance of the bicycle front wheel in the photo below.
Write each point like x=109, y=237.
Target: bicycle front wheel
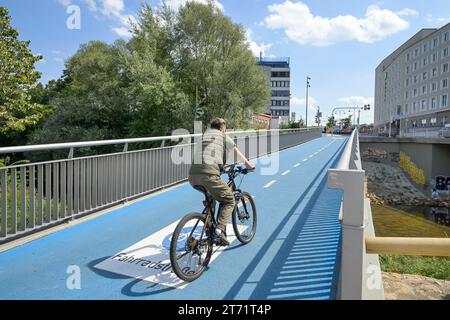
x=190, y=247
x=244, y=218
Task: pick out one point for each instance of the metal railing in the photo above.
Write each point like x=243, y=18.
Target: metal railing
x=356, y=221
x=40, y=195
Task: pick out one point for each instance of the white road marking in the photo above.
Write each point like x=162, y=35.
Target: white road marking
x=271, y=183
x=304, y=160
x=286, y=172
x=298, y=164
x=311, y=156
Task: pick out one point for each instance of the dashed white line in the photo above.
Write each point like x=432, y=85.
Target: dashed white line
x=271, y=183
x=286, y=172
x=311, y=156
x=298, y=164
x=304, y=160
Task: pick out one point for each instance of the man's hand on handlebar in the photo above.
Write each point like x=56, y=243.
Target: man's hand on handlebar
x=249, y=166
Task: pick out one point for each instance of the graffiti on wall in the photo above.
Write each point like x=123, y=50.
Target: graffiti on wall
x=377, y=155
x=416, y=174
x=442, y=183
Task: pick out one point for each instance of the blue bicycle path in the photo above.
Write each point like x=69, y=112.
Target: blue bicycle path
x=294, y=254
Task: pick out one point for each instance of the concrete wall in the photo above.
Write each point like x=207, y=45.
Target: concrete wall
x=428, y=159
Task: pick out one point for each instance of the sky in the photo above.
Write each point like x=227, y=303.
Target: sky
x=338, y=43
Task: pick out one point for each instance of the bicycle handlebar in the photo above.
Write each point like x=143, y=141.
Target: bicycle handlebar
x=237, y=169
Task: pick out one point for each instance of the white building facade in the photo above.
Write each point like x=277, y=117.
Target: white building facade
x=412, y=85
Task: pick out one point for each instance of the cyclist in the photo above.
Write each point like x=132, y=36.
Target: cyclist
x=209, y=157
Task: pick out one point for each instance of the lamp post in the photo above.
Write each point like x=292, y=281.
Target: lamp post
x=307, y=87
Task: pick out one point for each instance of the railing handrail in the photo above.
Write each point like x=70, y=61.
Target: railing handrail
x=84, y=144
x=350, y=158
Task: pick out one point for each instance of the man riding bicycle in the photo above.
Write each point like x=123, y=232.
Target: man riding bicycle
x=209, y=157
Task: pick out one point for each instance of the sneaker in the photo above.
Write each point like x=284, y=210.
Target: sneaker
x=221, y=238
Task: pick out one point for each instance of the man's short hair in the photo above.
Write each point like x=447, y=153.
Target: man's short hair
x=218, y=123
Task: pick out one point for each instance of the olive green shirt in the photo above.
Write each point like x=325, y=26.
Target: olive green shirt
x=211, y=152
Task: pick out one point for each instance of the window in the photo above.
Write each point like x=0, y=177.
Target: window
x=406, y=108
x=416, y=52
x=415, y=92
x=416, y=66
x=444, y=100
x=280, y=74
x=434, y=57
x=445, y=53
x=406, y=94
x=445, y=68
x=444, y=84
x=414, y=106
x=425, y=47
x=433, y=86
x=424, y=76
x=408, y=57
x=433, y=103
x=435, y=42
x=424, y=104
x=434, y=72
x=415, y=79
x=425, y=61
x=407, y=69
x=407, y=82
x=424, y=89
x=446, y=37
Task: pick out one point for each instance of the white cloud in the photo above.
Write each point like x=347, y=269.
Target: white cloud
x=122, y=31
x=92, y=5
x=356, y=101
x=65, y=3
x=304, y=27
x=301, y=103
x=439, y=21
x=257, y=48
x=407, y=12
x=176, y=4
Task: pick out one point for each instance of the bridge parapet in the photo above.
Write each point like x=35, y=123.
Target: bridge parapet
x=356, y=221
x=36, y=196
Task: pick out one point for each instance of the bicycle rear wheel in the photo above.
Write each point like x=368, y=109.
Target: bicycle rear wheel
x=244, y=218
x=190, y=247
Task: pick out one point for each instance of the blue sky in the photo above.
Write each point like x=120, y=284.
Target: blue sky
x=337, y=43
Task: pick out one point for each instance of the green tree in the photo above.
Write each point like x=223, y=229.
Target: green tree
x=90, y=100
x=207, y=54
x=18, y=76
x=331, y=122
x=346, y=123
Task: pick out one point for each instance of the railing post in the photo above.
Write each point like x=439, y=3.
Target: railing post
x=352, y=250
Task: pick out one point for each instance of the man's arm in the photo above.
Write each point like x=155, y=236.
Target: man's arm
x=247, y=163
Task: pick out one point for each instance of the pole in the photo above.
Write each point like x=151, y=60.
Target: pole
x=307, y=87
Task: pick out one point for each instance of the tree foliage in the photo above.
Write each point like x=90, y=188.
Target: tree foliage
x=18, y=76
x=193, y=64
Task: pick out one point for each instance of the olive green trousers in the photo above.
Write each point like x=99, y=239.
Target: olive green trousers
x=219, y=191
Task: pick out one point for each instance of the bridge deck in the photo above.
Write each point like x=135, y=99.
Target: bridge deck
x=293, y=255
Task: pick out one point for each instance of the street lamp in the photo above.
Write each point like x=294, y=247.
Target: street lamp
x=307, y=87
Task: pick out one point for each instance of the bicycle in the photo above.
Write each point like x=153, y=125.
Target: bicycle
x=194, y=236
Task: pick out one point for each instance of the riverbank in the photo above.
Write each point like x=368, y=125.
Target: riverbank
x=406, y=277
x=413, y=287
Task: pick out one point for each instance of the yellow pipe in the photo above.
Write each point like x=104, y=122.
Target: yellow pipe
x=439, y=247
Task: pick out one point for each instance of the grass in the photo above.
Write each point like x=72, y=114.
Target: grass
x=433, y=267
